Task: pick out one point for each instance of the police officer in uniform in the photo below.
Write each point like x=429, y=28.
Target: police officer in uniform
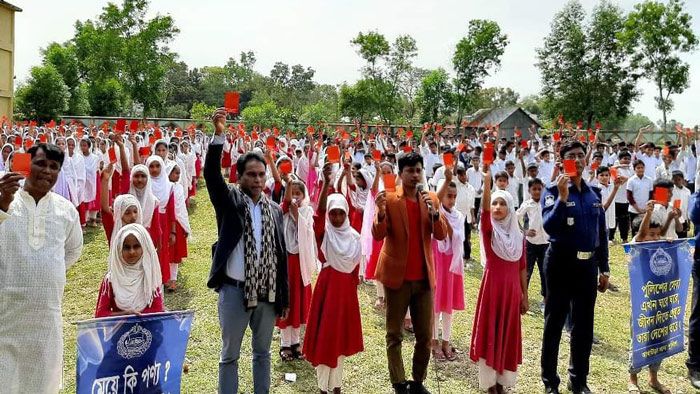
x=575, y=266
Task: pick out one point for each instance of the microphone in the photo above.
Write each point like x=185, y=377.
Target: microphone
x=421, y=191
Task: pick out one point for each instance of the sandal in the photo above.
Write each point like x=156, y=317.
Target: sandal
x=450, y=354
x=297, y=353
x=286, y=353
x=661, y=389
x=439, y=355
x=632, y=389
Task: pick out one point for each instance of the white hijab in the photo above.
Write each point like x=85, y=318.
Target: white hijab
x=341, y=246
x=2, y=162
x=161, y=185
x=121, y=204
x=359, y=196
x=507, y=239
x=180, y=208
x=135, y=285
x=300, y=239
x=145, y=196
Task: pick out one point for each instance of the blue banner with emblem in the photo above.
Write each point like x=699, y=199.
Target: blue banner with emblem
x=659, y=274
x=132, y=354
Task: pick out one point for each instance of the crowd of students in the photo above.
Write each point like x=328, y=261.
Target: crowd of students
x=332, y=186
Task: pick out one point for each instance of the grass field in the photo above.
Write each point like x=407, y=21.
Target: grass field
x=365, y=372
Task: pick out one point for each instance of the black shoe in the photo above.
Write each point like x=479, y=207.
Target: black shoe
x=582, y=389
x=551, y=390
x=417, y=388
x=694, y=377
x=400, y=388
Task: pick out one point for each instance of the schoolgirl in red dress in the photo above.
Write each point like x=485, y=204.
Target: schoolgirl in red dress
x=164, y=192
x=132, y=284
x=334, y=327
x=496, y=337
x=301, y=261
x=178, y=251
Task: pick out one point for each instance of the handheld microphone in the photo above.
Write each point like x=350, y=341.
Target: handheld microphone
x=420, y=191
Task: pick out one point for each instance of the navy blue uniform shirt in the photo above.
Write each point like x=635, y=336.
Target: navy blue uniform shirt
x=579, y=224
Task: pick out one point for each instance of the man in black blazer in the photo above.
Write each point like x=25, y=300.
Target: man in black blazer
x=249, y=267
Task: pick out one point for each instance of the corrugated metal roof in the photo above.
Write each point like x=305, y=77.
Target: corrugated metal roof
x=10, y=6
x=496, y=116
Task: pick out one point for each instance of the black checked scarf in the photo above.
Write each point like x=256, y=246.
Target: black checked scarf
x=260, y=270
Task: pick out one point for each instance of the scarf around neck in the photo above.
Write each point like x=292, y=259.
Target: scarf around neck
x=260, y=266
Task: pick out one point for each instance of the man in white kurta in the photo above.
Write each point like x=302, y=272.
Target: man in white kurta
x=40, y=237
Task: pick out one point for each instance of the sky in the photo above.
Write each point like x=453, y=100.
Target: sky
x=317, y=33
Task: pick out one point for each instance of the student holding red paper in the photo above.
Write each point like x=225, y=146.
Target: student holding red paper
x=681, y=196
x=663, y=194
x=639, y=188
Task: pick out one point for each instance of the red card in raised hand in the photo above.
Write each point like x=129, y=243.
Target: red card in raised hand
x=677, y=204
x=112, y=155
x=134, y=125
x=523, y=144
x=556, y=136
x=151, y=140
x=448, y=160
x=333, y=154
x=145, y=151
x=488, y=154
x=286, y=167
x=570, y=167
x=407, y=148
x=18, y=142
x=231, y=100
x=42, y=138
x=594, y=166
x=158, y=134
x=28, y=144
x=270, y=142
x=389, y=182
x=310, y=129
x=120, y=126
x=22, y=163
x=613, y=173
x=661, y=195
x=376, y=155
x=409, y=134
x=597, y=125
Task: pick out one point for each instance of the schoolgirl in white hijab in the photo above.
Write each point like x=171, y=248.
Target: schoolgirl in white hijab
x=7, y=149
x=121, y=205
x=341, y=245
x=180, y=196
x=145, y=195
x=160, y=184
x=135, y=284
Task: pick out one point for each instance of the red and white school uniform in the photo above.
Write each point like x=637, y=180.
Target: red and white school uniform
x=301, y=261
x=334, y=327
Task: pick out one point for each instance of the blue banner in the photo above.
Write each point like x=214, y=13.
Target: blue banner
x=132, y=354
x=659, y=278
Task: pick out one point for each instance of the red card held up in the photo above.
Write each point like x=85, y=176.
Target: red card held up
x=594, y=166
x=409, y=134
x=333, y=154
x=22, y=163
x=112, y=155
x=145, y=151
x=158, y=134
x=570, y=167
x=407, y=148
x=120, y=126
x=134, y=125
x=29, y=143
x=42, y=138
x=661, y=195
x=389, y=182
x=286, y=167
x=556, y=137
x=376, y=155
x=18, y=142
x=523, y=144
x=448, y=160
x=613, y=173
x=488, y=154
x=151, y=140
x=270, y=142
x=676, y=204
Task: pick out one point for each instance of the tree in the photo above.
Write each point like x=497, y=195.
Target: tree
x=388, y=70
x=496, y=97
x=62, y=57
x=201, y=111
x=532, y=104
x=475, y=55
x=106, y=97
x=585, y=69
x=44, y=96
x=435, y=98
x=357, y=101
x=123, y=44
x=264, y=115
x=655, y=34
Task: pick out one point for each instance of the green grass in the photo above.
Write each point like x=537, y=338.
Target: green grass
x=365, y=372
